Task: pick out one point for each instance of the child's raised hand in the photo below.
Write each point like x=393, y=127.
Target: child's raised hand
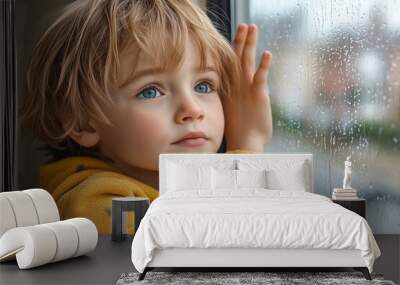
x=248, y=119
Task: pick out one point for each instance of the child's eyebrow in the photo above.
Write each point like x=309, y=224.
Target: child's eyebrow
x=159, y=70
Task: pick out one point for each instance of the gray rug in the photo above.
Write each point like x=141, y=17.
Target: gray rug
x=273, y=278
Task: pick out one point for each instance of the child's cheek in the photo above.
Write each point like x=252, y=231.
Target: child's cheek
x=218, y=118
x=148, y=128
x=214, y=123
x=139, y=138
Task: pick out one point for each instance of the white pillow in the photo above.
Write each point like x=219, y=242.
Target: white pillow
x=223, y=179
x=293, y=180
x=282, y=174
x=181, y=177
x=251, y=178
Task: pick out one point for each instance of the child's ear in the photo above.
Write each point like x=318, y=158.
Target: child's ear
x=87, y=137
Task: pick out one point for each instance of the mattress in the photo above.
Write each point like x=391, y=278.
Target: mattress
x=250, y=218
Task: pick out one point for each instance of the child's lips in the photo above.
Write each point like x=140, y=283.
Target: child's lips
x=192, y=142
x=197, y=138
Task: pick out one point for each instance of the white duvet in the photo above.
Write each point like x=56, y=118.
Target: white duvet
x=251, y=218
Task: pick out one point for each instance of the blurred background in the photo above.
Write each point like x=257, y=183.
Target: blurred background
x=335, y=91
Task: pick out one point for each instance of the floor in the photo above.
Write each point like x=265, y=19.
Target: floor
x=110, y=259
x=102, y=266
x=388, y=263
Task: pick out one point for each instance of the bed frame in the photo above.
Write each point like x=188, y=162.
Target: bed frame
x=248, y=259
x=260, y=259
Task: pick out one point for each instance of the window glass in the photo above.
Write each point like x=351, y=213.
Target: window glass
x=335, y=92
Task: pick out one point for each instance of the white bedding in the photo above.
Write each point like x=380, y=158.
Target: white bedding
x=251, y=218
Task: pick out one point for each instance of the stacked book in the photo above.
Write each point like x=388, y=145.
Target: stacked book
x=344, y=194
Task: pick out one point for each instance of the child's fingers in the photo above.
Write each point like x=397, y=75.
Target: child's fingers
x=249, y=51
x=260, y=77
x=240, y=39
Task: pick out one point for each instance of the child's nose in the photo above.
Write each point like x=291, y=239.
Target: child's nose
x=188, y=110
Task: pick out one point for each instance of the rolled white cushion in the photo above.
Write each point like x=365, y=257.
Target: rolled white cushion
x=7, y=218
x=23, y=208
x=40, y=244
x=87, y=234
x=45, y=205
x=66, y=238
x=33, y=245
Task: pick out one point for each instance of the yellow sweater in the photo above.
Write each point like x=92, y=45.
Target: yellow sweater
x=85, y=186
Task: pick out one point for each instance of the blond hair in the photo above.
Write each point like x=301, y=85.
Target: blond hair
x=76, y=63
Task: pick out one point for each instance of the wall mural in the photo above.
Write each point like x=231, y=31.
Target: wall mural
x=335, y=89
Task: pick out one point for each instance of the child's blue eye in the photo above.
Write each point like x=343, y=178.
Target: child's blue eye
x=149, y=93
x=203, y=87
x=153, y=92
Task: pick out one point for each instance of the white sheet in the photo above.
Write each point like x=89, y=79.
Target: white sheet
x=251, y=218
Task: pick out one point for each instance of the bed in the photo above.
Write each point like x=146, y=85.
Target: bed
x=247, y=211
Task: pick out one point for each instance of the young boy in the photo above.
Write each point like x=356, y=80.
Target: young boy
x=126, y=80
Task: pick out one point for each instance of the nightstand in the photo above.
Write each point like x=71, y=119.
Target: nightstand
x=120, y=206
x=356, y=205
